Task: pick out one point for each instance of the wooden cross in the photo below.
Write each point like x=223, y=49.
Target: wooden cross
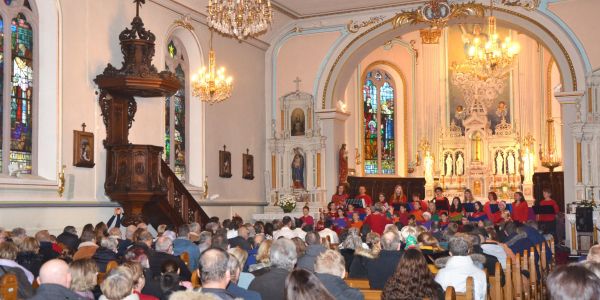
x=83, y=126
x=138, y=4
x=297, y=82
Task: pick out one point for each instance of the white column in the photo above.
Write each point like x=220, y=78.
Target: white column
x=332, y=123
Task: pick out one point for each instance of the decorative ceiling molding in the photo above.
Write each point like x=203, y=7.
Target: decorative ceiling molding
x=355, y=26
x=295, y=14
x=437, y=15
x=526, y=4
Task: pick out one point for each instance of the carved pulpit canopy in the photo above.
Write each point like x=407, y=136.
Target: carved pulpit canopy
x=138, y=76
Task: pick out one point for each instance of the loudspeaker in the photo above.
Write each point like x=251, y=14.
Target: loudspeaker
x=584, y=221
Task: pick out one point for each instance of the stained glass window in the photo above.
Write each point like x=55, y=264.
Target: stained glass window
x=7, y=2
x=1, y=88
x=378, y=123
x=21, y=94
x=175, y=145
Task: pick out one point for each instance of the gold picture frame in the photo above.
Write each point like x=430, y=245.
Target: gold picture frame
x=83, y=148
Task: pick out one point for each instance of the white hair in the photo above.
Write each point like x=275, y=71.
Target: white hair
x=283, y=254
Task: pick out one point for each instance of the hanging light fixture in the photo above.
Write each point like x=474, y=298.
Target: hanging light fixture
x=240, y=18
x=489, y=56
x=210, y=84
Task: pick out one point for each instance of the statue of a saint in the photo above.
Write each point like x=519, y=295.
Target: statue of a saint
x=460, y=165
x=298, y=170
x=528, y=167
x=448, y=165
x=511, y=163
x=343, y=165
x=428, y=164
x=499, y=164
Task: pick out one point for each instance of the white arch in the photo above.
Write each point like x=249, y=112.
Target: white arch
x=195, y=126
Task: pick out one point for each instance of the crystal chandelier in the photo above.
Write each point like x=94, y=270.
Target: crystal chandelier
x=489, y=56
x=210, y=84
x=240, y=18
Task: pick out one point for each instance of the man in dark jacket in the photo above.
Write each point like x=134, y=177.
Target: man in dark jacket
x=46, y=250
x=69, y=238
x=307, y=261
x=271, y=285
x=329, y=268
x=105, y=253
x=55, y=281
x=241, y=240
x=164, y=250
x=384, y=266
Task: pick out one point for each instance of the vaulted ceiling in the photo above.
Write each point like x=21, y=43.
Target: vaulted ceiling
x=313, y=8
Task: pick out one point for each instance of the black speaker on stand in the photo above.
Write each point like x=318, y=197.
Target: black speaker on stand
x=584, y=220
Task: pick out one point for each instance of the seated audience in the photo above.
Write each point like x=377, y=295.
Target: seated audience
x=382, y=267
x=285, y=231
x=235, y=268
x=516, y=239
x=118, y=285
x=358, y=267
x=430, y=247
x=204, y=241
x=8, y=258
x=54, y=280
x=329, y=232
x=594, y=254
x=47, y=247
x=573, y=282
x=169, y=279
x=106, y=252
x=283, y=258
x=87, y=247
x=329, y=268
x=69, y=238
x=412, y=280
x=263, y=260
x=84, y=277
x=300, y=246
x=241, y=240
x=29, y=256
x=183, y=244
x=314, y=249
x=164, y=252
x=214, y=273
x=139, y=281
x=243, y=279
x=455, y=269
x=302, y=284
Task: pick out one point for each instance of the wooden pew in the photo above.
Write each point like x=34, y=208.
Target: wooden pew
x=361, y=284
x=185, y=257
x=109, y=267
x=517, y=281
x=534, y=292
x=508, y=284
x=495, y=291
x=196, y=279
x=372, y=294
x=9, y=287
x=451, y=294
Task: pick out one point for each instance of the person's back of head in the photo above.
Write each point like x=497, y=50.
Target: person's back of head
x=55, y=271
x=192, y=295
x=287, y=221
x=213, y=268
x=234, y=267
x=110, y=243
x=510, y=228
x=594, y=254
x=573, y=281
x=8, y=250
x=88, y=236
x=458, y=246
x=220, y=241
x=183, y=231
x=240, y=254
x=130, y=231
x=283, y=254
x=328, y=224
x=43, y=236
x=390, y=241
x=205, y=238
x=331, y=262
x=312, y=238
x=115, y=232
x=169, y=266
x=118, y=284
x=70, y=229
x=195, y=227
x=243, y=232
x=83, y=275
x=29, y=244
x=164, y=244
x=302, y=284
x=227, y=224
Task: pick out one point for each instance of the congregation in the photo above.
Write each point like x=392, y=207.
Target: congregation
x=406, y=248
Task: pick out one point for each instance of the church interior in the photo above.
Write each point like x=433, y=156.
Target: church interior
x=145, y=107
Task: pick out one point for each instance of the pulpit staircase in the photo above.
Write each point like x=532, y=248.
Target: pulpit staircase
x=136, y=175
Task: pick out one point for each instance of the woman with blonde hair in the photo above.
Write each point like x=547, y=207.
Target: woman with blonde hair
x=29, y=256
x=241, y=255
x=358, y=267
x=430, y=247
x=263, y=259
x=139, y=280
x=118, y=285
x=84, y=274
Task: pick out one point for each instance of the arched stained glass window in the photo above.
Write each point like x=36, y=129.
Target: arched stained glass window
x=175, y=112
x=378, y=123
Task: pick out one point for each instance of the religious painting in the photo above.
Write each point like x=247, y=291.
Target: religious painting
x=297, y=122
x=224, y=163
x=458, y=44
x=83, y=149
x=297, y=168
x=247, y=165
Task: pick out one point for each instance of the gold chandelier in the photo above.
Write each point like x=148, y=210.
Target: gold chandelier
x=489, y=56
x=240, y=18
x=210, y=84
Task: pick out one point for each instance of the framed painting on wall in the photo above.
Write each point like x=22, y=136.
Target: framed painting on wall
x=83, y=148
x=247, y=165
x=224, y=163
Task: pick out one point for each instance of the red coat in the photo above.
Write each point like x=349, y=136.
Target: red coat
x=339, y=200
x=520, y=211
x=548, y=217
x=494, y=217
x=367, y=198
x=377, y=222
